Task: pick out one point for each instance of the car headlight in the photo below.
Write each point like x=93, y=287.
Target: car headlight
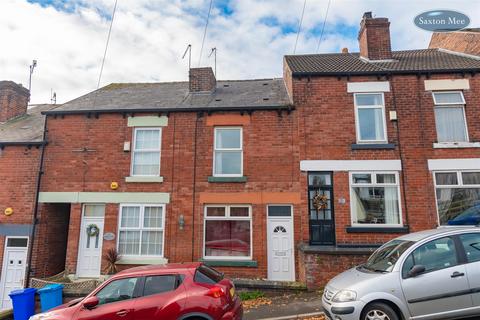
x=345, y=296
x=41, y=316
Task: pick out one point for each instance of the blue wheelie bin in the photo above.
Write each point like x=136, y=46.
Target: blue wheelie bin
x=51, y=296
x=23, y=302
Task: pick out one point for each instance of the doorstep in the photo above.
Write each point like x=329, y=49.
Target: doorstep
x=268, y=284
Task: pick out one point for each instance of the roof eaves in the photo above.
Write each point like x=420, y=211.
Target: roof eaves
x=382, y=72
x=168, y=110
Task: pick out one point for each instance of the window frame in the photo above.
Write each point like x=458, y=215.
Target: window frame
x=450, y=105
x=459, y=185
x=357, y=118
x=134, y=150
x=353, y=214
x=227, y=217
x=141, y=229
x=215, y=149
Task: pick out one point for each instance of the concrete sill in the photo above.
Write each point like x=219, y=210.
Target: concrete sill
x=376, y=146
x=456, y=145
x=336, y=250
x=227, y=179
x=230, y=263
x=144, y=179
x=360, y=229
x=142, y=261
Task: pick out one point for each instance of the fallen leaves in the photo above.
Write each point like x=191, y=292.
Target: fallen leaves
x=255, y=303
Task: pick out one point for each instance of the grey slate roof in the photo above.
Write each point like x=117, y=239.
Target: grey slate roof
x=27, y=128
x=175, y=96
x=411, y=61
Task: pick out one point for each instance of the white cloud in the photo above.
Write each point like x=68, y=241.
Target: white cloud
x=149, y=37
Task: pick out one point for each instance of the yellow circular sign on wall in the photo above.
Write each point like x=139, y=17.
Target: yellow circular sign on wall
x=114, y=185
x=8, y=211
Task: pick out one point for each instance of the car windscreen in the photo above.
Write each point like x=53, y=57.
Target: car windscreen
x=205, y=274
x=385, y=257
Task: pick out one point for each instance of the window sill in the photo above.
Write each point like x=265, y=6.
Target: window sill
x=144, y=179
x=370, y=146
x=227, y=179
x=143, y=261
x=454, y=145
x=230, y=263
x=361, y=229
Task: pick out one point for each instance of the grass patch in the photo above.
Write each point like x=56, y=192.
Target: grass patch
x=251, y=295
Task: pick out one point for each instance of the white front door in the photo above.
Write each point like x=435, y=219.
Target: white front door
x=90, y=246
x=281, y=263
x=14, y=268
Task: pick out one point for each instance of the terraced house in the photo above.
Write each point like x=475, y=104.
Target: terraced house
x=285, y=179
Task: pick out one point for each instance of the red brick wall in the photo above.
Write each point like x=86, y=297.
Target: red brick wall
x=459, y=41
x=316, y=269
x=270, y=164
x=50, y=245
x=13, y=100
x=374, y=38
x=326, y=129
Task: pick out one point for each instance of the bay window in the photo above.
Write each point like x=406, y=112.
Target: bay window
x=228, y=152
x=228, y=232
x=375, y=198
x=458, y=197
x=370, y=118
x=450, y=118
x=146, y=152
x=141, y=230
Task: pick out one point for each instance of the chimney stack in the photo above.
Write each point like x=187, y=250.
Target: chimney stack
x=344, y=50
x=202, y=80
x=374, y=38
x=13, y=100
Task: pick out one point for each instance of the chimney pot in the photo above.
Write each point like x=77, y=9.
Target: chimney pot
x=202, y=80
x=344, y=50
x=374, y=38
x=13, y=100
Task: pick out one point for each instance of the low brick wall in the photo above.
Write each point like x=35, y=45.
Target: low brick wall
x=318, y=264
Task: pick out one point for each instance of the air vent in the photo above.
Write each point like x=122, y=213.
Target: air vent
x=218, y=99
x=266, y=99
x=226, y=85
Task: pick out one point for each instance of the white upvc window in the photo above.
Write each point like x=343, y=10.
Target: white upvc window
x=371, y=126
x=141, y=230
x=450, y=119
x=375, y=199
x=147, y=145
x=227, y=232
x=228, y=152
x=458, y=197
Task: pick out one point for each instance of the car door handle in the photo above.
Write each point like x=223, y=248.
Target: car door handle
x=122, y=313
x=457, y=274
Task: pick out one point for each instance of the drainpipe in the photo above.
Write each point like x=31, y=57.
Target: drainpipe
x=36, y=206
x=199, y=115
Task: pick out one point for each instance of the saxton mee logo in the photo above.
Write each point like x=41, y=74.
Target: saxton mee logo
x=442, y=20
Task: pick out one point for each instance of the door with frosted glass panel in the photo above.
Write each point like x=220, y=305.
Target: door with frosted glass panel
x=321, y=210
x=91, y=241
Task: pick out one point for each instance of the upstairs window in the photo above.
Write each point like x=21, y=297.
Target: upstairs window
x=228, y=154
x=450, y=116
x=370, y=118
x=146, y=152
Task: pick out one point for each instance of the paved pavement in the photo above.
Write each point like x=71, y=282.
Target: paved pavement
x=291, y=304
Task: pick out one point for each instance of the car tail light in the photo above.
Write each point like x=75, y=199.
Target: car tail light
x=216, y=292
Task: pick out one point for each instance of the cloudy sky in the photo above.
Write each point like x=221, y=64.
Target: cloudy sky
x=149, y=37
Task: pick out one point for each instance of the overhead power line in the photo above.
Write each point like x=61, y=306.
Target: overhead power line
x=205, y=32
x=106, y=45
x=299, y=26
x=323, y=27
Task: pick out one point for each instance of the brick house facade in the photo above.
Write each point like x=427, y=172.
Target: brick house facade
x=286, y=179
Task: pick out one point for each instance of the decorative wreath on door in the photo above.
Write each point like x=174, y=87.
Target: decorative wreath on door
x=320, y=201
x=93, y=230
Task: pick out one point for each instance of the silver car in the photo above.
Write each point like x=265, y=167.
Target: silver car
x=433, y=274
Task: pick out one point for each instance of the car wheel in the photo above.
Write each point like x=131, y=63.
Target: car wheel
x=379, y=311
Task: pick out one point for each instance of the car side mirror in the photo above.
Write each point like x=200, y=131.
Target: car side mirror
x=416, y=270
x=90, y=302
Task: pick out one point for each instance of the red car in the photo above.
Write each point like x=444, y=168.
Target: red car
x=190, y=291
